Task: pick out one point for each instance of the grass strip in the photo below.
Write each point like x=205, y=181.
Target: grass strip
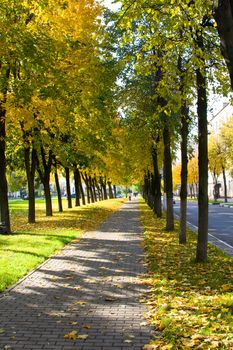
x=190, y=304
x=31, y=244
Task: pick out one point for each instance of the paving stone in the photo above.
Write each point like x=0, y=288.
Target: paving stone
x=91, y=287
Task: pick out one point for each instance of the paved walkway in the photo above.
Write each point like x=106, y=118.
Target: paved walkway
x=90, y=290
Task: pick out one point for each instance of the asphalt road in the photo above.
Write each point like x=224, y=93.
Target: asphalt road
x=220, y=224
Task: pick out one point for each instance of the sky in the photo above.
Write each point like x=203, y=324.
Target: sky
x=110, y=4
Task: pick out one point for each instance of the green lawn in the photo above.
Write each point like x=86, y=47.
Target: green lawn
x=30, y=245
x=190, y=304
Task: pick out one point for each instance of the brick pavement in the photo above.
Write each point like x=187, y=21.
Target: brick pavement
x=91, y=287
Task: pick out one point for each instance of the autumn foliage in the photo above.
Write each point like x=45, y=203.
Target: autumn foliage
x=190, y=304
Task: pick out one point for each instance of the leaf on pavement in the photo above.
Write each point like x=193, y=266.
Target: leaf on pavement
x=80, y=302
x=71, y=335
x=83, y=336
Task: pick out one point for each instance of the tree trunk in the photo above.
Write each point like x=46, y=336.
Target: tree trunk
x=59, y=199
x=98, y=188
x=151, y=190
x=77, y=186
x=145, y=188
x=85, y=178
x=104, y=187
x=45, y=177
x=225, y=184
x=101, y=191
x=114, y=191
x=4, y=207
x=91, y=189
x=110, y=190
x=30, y=166
x=223, y=13
x=94, y=189
x=81, y=187
x=157, y=182
x=168, y=179
x=68, y=193
x=48, y=200
x=202, y=240
x=184, y=174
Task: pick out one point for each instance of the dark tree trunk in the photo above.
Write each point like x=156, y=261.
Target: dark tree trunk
x=48, y=200
x=152, y=190
x=168, y=179
x=59, y=199
x=104, y=187
x=4, y=207
x=110, y=189
x=68, y=193
x=88, y=192
x=101, y=191
x=91, y=189
x=45, y=178
x=81, y=187
x=30, y=166
x=114, y=191
x=77, y=186
x=202, y=240
x=85, y=178
x=5, y=217
x=223, y=13
x=93, y=184
x=225, y=184
x=157, y=182
x=146, y=187
x=184, y=155
x=97, y=188
x=184, y=173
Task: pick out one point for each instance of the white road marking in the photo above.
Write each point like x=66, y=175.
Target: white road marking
x=210, y=234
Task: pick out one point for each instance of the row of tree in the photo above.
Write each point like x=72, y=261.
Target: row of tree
x=111, y=96
x=57, y=107
x=171, y=59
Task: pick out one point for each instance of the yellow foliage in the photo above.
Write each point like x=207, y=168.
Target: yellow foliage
x=189, y=303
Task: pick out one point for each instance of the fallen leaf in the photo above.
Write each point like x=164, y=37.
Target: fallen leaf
x=226, y=287
x=151, y=346
x=82, y=336
x=80, y=302
x=77, y=288
x=71, y=336
x=87, y=326
x=189, y=343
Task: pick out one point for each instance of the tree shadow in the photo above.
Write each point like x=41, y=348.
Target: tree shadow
x=92, y=287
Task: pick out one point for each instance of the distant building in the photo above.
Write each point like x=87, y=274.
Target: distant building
x=215, y=124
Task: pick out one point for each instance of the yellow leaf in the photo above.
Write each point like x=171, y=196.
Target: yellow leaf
x=80, y=302
x=189, y=343
x=82, y=336
x=71, y=336
x=87, y=326
x=226, y=287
